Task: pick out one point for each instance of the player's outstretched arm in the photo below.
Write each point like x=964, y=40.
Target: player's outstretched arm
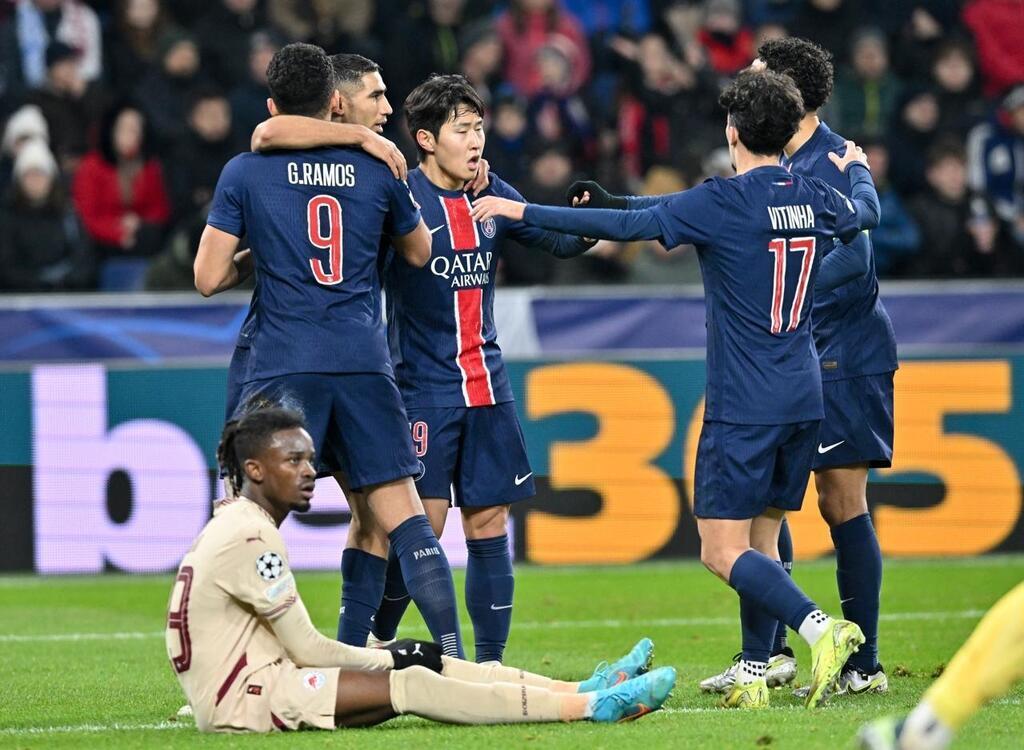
x=219, y=265
x=854, y=163
x=598, y=223
x=592, y=194
x=307, y=647
x=295, y=132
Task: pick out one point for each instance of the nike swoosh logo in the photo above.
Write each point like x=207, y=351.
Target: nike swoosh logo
x=827, y=448
x=495, y=607
x=641, y=710
x=437, y=229
x=520, y=480
x=844, y=601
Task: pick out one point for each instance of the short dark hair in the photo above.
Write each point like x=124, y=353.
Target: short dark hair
x=436, y=101
x=765, y=108
x=247, y=437
x=806, y=63
x=349, y=69
x=300, y=80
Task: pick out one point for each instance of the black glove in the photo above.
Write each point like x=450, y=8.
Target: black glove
x=412, y=653
x=599, y=197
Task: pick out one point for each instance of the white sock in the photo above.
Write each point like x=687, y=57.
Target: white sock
x=924, y=730
x=814, y=626
x=750, y=672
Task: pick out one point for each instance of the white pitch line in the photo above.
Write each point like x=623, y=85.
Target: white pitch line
x=676, y=622
x=94, y=728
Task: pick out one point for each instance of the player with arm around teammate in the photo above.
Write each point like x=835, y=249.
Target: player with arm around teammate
x=757, y=236
x=249, y=658
x=314, y=221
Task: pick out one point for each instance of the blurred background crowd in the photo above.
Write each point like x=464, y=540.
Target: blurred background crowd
x=118, y=115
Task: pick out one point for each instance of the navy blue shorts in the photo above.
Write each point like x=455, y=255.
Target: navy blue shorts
x=357, y=422
x=742, y=469
x=236, y=374
x=479, y=452
x=858, y=424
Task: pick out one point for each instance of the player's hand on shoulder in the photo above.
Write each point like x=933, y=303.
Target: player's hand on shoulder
x=482, y=180
x=409, y=652
x=381, y=148
x=853, y=154
x=490, y=207
x=590, y=194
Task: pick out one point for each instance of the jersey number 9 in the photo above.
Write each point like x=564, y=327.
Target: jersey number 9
x=324, y=213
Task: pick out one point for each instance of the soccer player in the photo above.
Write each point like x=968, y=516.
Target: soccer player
x=448, y=363
x=985, y=667
x=314, y=220
x=857, y=349
x=757, y=236
x=362, y=100
x=249, y=659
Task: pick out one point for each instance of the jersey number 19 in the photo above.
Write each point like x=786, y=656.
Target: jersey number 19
x=318, y=207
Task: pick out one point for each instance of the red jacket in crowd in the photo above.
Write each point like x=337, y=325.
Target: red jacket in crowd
x=98, y=199
x=998, y=28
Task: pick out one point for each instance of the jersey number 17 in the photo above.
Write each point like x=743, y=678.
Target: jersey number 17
x=319, y=207
x=778, y=248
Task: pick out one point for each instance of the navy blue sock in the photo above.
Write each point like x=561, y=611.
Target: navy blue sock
x=758, y=631
x=762, y=581
x=859, y=575
x=786, y=558
x=362, y=585
x=489, y=590
x=394, y=602
x=429, y=580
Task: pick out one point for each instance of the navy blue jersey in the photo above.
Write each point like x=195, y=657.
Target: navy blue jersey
x=314, y=221
x=441, y=318
x=851, y=328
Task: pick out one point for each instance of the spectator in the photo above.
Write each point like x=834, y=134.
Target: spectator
x=164, y=92
x=527, y=26
x=897, y=237
x=996, y=161
x=669, y=109
x=649, y=262
x=436, y=50
x=172, y=268
x=132, y=42
x=959, y=236
x=26, y=35
x=602, y=18
x=42, y=247
x=960, y=102
x=998, y=28
x=728, y=43
x=506, y=140
x=119, y=188
x=202, y=153
x=481, y=58
x=27, y=124
x=915, y=28
x=866, y=92
x=249, y=100
x=556, y=115
x=828, y=24
x=223, y=35
x=910, y=137
x=70, y=105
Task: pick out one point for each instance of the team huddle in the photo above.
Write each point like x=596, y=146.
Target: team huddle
x=415, y=414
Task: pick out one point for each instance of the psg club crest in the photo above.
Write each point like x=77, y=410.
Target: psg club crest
x=489, y=228
x=269, y=565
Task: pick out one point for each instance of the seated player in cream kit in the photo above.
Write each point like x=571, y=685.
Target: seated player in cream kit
x=250, y=659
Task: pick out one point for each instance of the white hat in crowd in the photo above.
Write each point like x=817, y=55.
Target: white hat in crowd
x=35, y=154
x=27, y=122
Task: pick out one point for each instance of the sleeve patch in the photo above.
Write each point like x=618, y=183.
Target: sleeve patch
x=269, y=565
x=279, y=589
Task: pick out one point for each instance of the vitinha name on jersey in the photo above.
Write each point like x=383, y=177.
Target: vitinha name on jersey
x=463, y=269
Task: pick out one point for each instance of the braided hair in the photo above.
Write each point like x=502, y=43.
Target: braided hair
x=247, y=436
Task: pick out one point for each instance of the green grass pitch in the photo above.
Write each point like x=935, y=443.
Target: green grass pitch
x=83, y=664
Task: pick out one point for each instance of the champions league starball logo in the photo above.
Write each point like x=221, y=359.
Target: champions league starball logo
x=269, y=565
x=489, y=228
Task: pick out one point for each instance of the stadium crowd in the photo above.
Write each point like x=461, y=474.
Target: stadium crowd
x=118, y=115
